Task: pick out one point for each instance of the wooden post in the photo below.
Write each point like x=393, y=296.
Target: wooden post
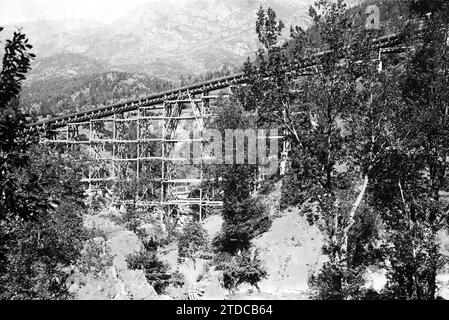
x=90, y=155
x=138, y=146
x=114, y=146
x=67, y=136
x=164, y=113
x=380, y=66
x=201, y=204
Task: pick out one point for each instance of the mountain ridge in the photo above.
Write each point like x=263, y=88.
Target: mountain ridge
x=162, y=40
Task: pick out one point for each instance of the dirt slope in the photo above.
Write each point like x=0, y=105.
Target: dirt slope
x=291, y=252
x=117, y=282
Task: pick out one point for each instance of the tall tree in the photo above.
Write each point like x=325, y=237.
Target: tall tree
x=41, y=199
x=336, y=117
x=412, y=176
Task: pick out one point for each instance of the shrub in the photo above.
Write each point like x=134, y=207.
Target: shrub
x=41, y=227
x=150, y=245
x=335, y=282
x=132, y=225
x=96, y=257
x=242, y=268
x=94, y=232
x=147, y=261
x=155, y=270
x=193, y=241
x=243, y=222
x=267, y=187
x=177, y=279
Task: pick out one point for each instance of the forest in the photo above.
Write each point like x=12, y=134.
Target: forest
x=367, y=163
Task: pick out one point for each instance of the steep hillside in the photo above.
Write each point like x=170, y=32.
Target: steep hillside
x=66, y=65
x=291, y=252
x=110, y=279
x=62, y=95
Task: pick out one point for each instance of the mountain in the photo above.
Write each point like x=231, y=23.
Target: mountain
x=61, y=95
x=56, y=36
x=200, y=35
x=66, y=65
x=81, y=63
x=164, y=39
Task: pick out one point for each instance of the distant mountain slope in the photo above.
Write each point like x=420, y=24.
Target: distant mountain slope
x=164, y=39
x=56, y=36
x=58, y=96
x=81, y=64
x=66, y=65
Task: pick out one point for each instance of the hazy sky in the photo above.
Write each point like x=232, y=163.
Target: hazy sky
x=12, y=11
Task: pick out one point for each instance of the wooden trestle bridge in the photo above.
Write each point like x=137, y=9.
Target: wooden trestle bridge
x=137, y=139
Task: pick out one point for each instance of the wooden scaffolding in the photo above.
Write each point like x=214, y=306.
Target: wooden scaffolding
x=147, y=146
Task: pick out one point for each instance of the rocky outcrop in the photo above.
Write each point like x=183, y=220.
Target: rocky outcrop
x=213, y=225
x=117, y=282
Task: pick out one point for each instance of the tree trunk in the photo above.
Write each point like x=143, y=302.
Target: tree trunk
x=352, y=213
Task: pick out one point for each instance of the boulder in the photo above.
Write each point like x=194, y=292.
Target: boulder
x=213, y=225
x=137, y=286
x=117, y=282
x=122, y=244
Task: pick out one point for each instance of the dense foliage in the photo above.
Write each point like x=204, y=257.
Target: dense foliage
x=156, y=271
x=244, y=217
x=62, y=96
x=41, y=199
x=193, y=242
x=367, y=162
x=239, y=269
x=368, y=141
